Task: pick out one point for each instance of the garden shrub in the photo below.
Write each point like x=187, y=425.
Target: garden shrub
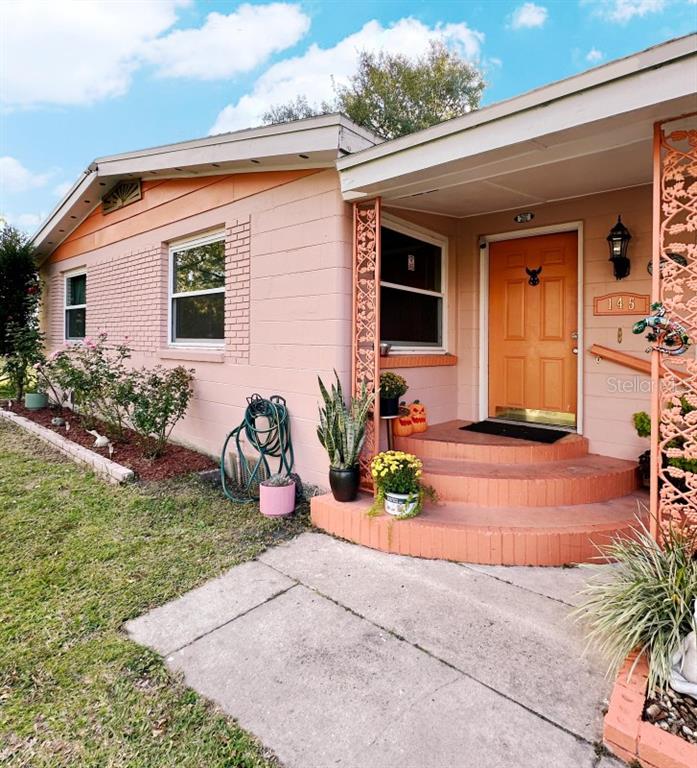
x=646, y=603
x=160, y=398
x=24, y=352
x=95, y=377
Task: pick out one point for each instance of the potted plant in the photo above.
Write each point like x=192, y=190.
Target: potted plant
x=392, y=387
x=398, y=486
x=277, y=496
x=646, y=603
x=341, y=431
x=642, y=424
x=33, y=401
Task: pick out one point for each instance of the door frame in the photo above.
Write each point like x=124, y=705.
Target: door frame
x=484, y=240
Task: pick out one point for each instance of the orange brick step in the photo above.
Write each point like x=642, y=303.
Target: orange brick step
x=448, y=441
x=516, y=535
x=584, y=480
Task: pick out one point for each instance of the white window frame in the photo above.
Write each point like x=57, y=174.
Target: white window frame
x=413, y=230
x=68, y=276
x=178, y=245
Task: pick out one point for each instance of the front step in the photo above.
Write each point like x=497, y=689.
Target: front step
x=515, y=535
x=584, y=480
x=448, y=441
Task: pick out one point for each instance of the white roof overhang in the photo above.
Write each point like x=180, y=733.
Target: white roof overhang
x=312, y=143
x=585, y=134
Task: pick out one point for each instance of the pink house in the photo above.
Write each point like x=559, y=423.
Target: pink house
x=477, y=249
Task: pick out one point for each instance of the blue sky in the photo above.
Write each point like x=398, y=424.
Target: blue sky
x=89, y=78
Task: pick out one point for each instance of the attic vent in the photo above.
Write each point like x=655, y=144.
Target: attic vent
x=124, y=193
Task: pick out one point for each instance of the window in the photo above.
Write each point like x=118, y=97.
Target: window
x=75, y=306
x=197, y=287
x=411, y=290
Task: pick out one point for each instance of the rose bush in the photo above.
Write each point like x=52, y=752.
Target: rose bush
x=160, y=397
x=95, y=378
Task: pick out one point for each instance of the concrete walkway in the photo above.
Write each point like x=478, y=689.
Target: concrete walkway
x=336, y=655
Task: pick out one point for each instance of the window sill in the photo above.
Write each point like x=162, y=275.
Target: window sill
x=193, y=355
x=416, y=361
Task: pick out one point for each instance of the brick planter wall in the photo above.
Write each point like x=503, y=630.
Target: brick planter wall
x=632, y=739
x=106, y=468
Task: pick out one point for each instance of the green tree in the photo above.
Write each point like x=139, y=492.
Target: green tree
x=394, y=95
x=20, y=293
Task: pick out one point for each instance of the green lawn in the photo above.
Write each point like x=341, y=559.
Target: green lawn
x=77, y=559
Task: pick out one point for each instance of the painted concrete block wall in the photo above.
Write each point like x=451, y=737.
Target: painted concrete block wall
x=288, y=307
x=611, y=393
x=437, y=387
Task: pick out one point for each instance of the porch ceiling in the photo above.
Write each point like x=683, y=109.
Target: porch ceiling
x=614, y=168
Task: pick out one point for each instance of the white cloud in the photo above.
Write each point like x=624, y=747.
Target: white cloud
x=528, y=16
x=66, y=52
x=227, y=45
x=69, y=52
x=28, y=222
x=622, y=11
x=594, y=56
x=14, y=177
x=313, y=72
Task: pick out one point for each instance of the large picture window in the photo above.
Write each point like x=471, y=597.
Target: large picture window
x=75, y=306
x=411, y=290
x=198, y=290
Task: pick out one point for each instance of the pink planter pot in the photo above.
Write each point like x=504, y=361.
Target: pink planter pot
x=276, y=501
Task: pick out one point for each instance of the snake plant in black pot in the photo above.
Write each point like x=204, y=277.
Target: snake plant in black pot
x=341, y=431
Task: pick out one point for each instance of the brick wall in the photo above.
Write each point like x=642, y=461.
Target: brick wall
x=142, y=277
x=237, y=292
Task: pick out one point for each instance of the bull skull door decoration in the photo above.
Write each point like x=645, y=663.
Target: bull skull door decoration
x=534, y=275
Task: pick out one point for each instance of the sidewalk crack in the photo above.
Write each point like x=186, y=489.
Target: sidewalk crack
x=434, y=656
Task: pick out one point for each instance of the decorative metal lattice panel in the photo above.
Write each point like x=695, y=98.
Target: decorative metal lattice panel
x=124, y=193
x=675, y=377
x=366, y=316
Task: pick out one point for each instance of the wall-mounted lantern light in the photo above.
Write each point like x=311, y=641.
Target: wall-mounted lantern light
x=618, y=240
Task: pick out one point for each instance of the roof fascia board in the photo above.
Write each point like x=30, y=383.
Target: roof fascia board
x=644, y=90
x=333, y=121
x=78, y=191
x=321, y=140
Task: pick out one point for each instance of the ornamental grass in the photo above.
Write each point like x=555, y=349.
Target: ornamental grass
x=646, y=604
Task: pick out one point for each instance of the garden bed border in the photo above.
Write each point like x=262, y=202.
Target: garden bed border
x=101, y=465
x=628, y=736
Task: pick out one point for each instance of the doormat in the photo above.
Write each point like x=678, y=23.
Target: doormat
x=517, y=431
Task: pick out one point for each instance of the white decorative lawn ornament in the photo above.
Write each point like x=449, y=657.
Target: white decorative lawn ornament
x=683, y=677
x=101, y=441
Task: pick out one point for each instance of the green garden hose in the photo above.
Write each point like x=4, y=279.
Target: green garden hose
x=266, y=427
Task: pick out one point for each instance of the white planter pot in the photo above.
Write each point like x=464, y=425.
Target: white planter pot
x=398, y=504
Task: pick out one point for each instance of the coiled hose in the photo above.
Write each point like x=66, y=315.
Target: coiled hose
x=266, y=427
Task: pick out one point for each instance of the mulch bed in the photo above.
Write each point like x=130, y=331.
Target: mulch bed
x=673, y=712
x=176, y=459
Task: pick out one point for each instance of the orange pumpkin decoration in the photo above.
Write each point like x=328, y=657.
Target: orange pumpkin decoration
x=417, y=411
x=402, y=426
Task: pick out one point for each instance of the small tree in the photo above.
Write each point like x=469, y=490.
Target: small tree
x=394, y=95
x=21, y=342
x=19, y=283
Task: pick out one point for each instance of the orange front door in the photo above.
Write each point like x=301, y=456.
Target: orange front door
x=533, y=316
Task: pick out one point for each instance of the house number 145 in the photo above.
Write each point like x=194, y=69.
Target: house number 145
x=621, y=304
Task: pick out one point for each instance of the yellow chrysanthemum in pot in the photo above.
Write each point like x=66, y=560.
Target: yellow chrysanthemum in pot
x=398, y=487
